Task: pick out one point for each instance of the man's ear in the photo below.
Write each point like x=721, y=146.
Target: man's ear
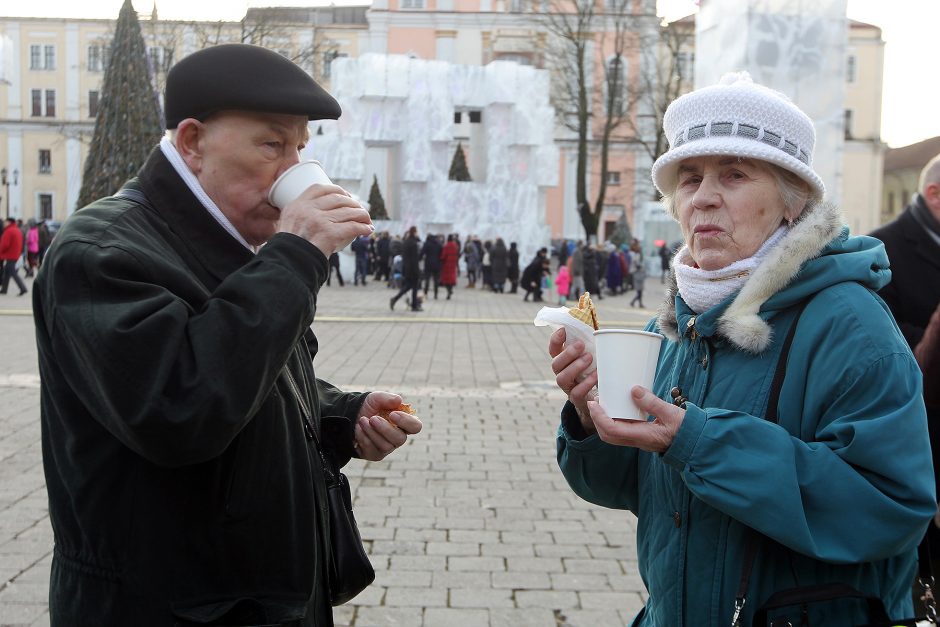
x=189, y=135
x=932, y=196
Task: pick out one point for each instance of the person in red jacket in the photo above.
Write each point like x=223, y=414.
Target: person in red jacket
x=449, y=256
x=11, y=247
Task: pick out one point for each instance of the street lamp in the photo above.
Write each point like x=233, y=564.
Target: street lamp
x=6, y=184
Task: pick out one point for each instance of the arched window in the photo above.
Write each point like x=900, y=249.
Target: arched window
x=616, y=81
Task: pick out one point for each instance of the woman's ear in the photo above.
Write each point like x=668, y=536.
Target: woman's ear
x=189, y=135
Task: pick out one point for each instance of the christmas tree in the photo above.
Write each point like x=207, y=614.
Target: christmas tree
x=376, y=203
x=128, y=123
x=458, y=167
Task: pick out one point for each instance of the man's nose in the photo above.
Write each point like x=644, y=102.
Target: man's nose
x=291, y=159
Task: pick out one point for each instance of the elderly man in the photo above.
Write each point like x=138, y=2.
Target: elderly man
x=181, y=415
x=913, y=245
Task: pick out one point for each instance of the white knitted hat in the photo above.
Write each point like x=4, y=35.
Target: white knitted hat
x=740, y=118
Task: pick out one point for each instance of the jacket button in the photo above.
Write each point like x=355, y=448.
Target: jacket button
x=675, y=392
x=677, y=518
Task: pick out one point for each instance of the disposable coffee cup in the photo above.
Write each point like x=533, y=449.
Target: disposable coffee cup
x=625, y=358
x=295, y=181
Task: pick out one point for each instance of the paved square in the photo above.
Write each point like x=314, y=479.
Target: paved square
x=470, y=524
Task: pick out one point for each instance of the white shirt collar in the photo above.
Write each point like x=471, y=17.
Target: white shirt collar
x=173, y=156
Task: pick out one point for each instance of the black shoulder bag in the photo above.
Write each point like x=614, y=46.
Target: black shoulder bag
x=351, y=572
x=806, y=595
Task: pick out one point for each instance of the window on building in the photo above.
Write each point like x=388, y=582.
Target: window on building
x=412, y=4
x=475, y=117
x=49, y=57
x=848, y=124
x=93, y=104
x=45, y=206
x=613, y=178
x=35, y=57
x=519, y=57
x=615, y=81
x=685, y=63
x=45, y=161
x=851, y=68
x=94, y=58
x=161, y=59
x=517, y=6
x=456, y=117
x=37, y=102
x=50, y=103
x=98, y=57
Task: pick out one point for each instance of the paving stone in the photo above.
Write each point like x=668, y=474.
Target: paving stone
x=472, y=512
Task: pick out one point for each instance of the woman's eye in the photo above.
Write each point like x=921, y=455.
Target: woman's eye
x=274, y=145
x=690, y=180
x=735, y=175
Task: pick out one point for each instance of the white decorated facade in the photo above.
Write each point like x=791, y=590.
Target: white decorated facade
x=797, y=47
x=399, y=125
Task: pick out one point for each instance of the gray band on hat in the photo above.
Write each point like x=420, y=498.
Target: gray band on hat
x=741, y=130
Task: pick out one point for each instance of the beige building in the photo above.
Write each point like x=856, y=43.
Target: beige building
x=864, y=151
x=51, y=71
x=902, y=168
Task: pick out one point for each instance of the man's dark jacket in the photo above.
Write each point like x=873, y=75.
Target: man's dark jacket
x=183, y=488
x=914, y=290
x=431, y=254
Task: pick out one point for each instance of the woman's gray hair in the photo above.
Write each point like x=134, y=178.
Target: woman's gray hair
x=794, y=191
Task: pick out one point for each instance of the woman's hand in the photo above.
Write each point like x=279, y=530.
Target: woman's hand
x=655, y=436
x=569, y=364
x=376, y=437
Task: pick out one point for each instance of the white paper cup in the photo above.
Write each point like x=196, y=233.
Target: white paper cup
x=295, y=181
x=624, y=358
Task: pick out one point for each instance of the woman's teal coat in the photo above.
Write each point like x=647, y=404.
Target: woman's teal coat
x=841, y=490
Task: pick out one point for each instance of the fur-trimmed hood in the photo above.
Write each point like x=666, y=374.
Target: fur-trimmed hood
x=786, y=276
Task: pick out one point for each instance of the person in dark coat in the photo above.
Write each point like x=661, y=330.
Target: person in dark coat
x=614, y=273
x=531, y=280
x=589, y=259
x=431, y=255
x=512, y=267
x=382, y=263
x=499, y=260
x=449, y=256
x=411, y=272
x=334, y=267
x=912, y=241
x=360, y=247
x=183, y=424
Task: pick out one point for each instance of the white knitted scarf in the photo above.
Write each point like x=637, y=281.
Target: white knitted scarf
x=703, y=289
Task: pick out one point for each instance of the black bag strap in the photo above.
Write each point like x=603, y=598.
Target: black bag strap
x=770, y=414
x=135, y=195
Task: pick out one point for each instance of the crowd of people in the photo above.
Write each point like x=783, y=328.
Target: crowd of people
x=424, y=267
x=23, y=245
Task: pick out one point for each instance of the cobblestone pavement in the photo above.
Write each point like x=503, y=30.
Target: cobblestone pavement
x=470, y=524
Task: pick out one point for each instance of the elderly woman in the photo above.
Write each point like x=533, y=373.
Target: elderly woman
x=839, y=488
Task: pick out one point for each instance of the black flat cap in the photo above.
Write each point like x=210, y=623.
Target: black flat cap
x=245, y=78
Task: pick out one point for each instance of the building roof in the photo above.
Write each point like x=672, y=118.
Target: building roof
x=913, y=156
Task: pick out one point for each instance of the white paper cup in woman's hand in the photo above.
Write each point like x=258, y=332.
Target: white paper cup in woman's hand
x=295, y=181
x=624, y=358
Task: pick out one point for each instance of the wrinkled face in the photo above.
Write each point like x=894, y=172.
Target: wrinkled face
x=241, y=154
x=727, y=208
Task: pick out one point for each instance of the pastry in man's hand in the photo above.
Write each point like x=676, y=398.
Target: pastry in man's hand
x=405, y=407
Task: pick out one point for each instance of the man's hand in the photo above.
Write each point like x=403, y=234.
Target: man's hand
x=655, y=436
x=376, y=437
x=327, y=217
x=569, y=364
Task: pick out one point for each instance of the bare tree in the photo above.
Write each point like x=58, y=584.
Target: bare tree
x=626, y=111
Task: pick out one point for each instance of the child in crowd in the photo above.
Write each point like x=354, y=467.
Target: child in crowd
x=562, y=283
